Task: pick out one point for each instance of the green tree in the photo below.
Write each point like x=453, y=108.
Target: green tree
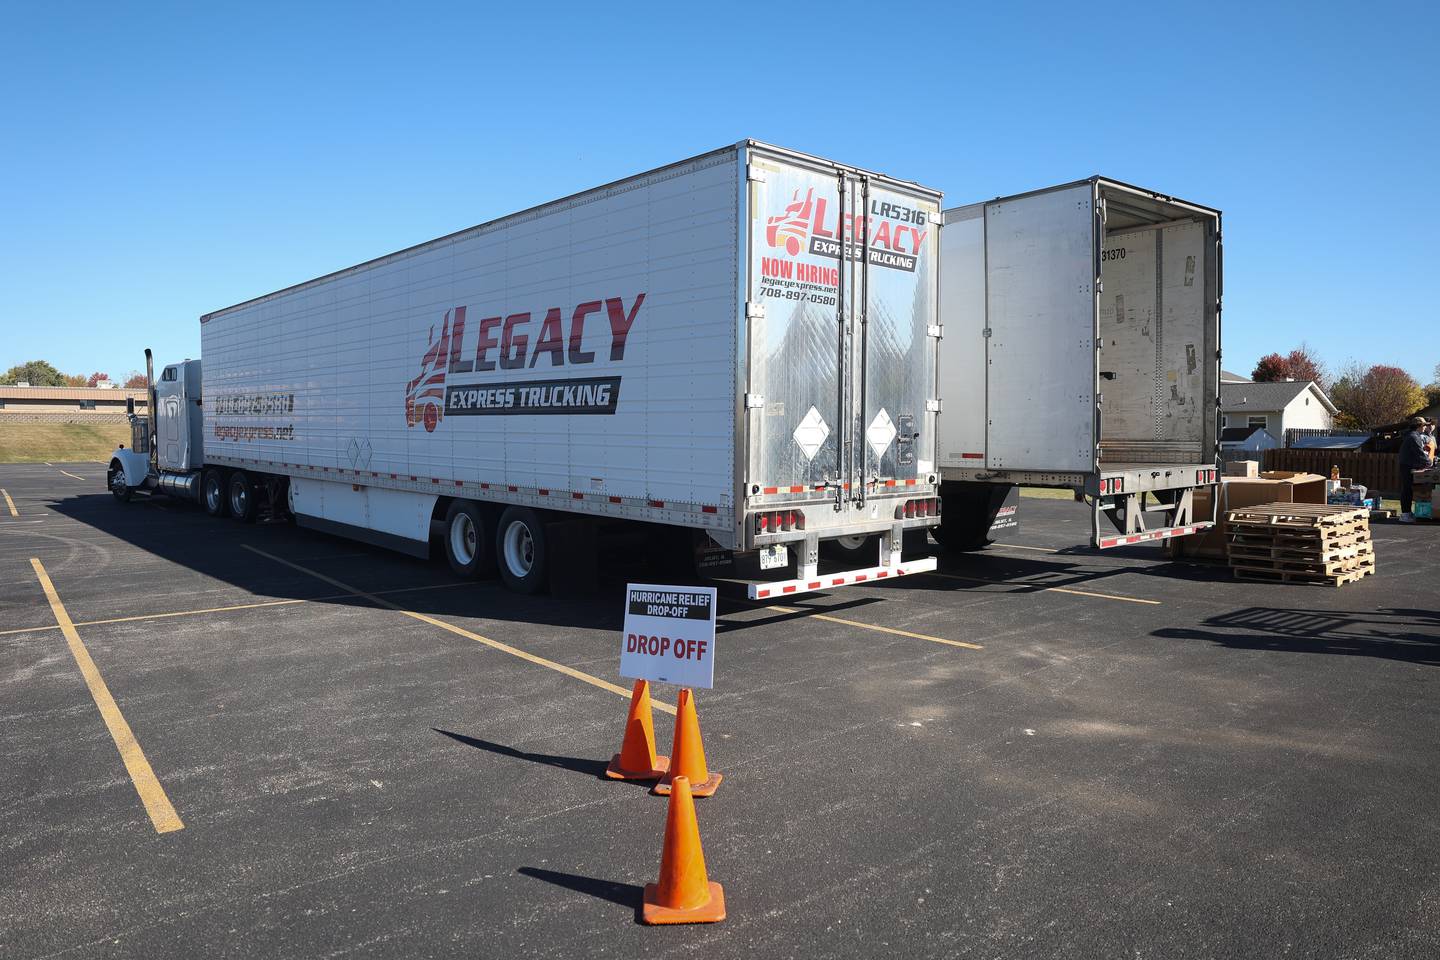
x=37, y=373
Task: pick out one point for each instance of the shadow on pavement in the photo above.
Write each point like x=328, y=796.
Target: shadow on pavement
x=1393, y=633
x=622, y=894
x=184, y=535
x=585, y=765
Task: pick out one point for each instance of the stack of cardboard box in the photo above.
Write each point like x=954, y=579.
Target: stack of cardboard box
x=1427, y=493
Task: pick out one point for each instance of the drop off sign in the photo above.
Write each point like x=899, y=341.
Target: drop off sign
x=669, y=635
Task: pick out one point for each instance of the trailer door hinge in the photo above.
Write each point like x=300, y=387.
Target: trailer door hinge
x=754, y=400
x=985, y=333
x=754, y=310
x=933, y=406
x=934, y=330
x=754, y=174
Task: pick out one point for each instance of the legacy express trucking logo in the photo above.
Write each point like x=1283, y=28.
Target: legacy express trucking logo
x=504, y=343
x=896, y=232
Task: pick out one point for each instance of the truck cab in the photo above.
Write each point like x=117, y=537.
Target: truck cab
x=167, y=448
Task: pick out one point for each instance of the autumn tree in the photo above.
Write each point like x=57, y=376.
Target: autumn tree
x=135, y=381
x=1375, y=397
x=1269, y=369
x=1299, y=364
x=37, y=373
x=95, y=379
x=76, y=380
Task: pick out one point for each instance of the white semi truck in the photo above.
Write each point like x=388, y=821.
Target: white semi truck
x=1081, y=349
x=740, y=346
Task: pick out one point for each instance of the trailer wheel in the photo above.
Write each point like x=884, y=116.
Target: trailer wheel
x=520, y=550
x=115, y=480
x=242, y=497
x=468, y=539
x=212, y=493
x=861, y=549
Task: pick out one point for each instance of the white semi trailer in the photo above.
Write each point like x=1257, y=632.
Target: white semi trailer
x=740, y=346
x=1081, y=349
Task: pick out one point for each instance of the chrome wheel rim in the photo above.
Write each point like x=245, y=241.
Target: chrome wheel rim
x=853, y=542
x=239, y=499
x=519, y=549
x=213, y=495
x=463, y=539
x=117, y=481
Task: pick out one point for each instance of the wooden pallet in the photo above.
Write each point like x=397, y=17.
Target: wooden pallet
x=1278, y=555
x=1305, y=540
x=1298, y=515
x=1291, y=576
x=1300, y=543
x=1317, y=569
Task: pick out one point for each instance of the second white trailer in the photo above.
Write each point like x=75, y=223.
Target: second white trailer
x=1081, y=349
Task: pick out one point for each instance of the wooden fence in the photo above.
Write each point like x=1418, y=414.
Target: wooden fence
x=1377, y=471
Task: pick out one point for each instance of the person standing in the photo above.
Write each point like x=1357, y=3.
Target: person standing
x=1414, y=455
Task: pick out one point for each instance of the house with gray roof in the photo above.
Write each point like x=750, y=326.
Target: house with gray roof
x=1275, y=407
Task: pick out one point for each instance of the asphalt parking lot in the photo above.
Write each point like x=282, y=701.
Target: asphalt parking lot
x=1038, y=752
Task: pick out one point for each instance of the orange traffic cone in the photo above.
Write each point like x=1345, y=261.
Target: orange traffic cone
x=636, y=759
x=684, y=893
x=687, y=753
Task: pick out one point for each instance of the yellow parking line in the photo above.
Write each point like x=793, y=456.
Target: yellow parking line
x=865, y=626
x=1023, y=583
x=10, y=504
x=157, y=804
x=461, y=632
x=1021, y=546
x=70, y=475
x=237, y=606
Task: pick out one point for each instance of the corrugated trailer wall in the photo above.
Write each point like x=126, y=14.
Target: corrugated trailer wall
x=629, y=290
x=1154, y=355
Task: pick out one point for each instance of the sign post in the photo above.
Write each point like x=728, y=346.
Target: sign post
x=669, y=634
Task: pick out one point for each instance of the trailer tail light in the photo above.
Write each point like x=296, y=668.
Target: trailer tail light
x=1207, y=476
x=779, y=521
x=918, y=509
x=1111, y=486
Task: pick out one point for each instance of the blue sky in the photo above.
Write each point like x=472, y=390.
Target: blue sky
x=160, y=162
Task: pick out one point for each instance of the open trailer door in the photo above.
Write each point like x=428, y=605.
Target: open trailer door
x=1041, y=263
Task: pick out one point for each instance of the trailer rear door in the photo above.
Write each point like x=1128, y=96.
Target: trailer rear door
x=1042, y=259
x=841, y=333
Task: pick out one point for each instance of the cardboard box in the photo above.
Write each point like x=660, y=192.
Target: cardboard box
x=1275, y=486
x=1242, y=468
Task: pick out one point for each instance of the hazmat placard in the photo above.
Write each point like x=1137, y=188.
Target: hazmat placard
x=669, y=634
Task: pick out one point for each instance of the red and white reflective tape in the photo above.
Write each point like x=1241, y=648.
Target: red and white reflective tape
x=790, y=588
x=1166, y=534
x=361, y=476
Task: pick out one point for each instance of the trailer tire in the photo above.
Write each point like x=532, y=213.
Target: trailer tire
x=468, y=535
x=861, y=549
x=213, y=495
x=241, y=497
x=520, y=550
x=115, y=480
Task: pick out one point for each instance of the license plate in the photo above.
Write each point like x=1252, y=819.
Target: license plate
x=774, y=556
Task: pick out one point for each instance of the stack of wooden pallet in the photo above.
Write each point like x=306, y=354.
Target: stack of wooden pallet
x=1301, y=542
